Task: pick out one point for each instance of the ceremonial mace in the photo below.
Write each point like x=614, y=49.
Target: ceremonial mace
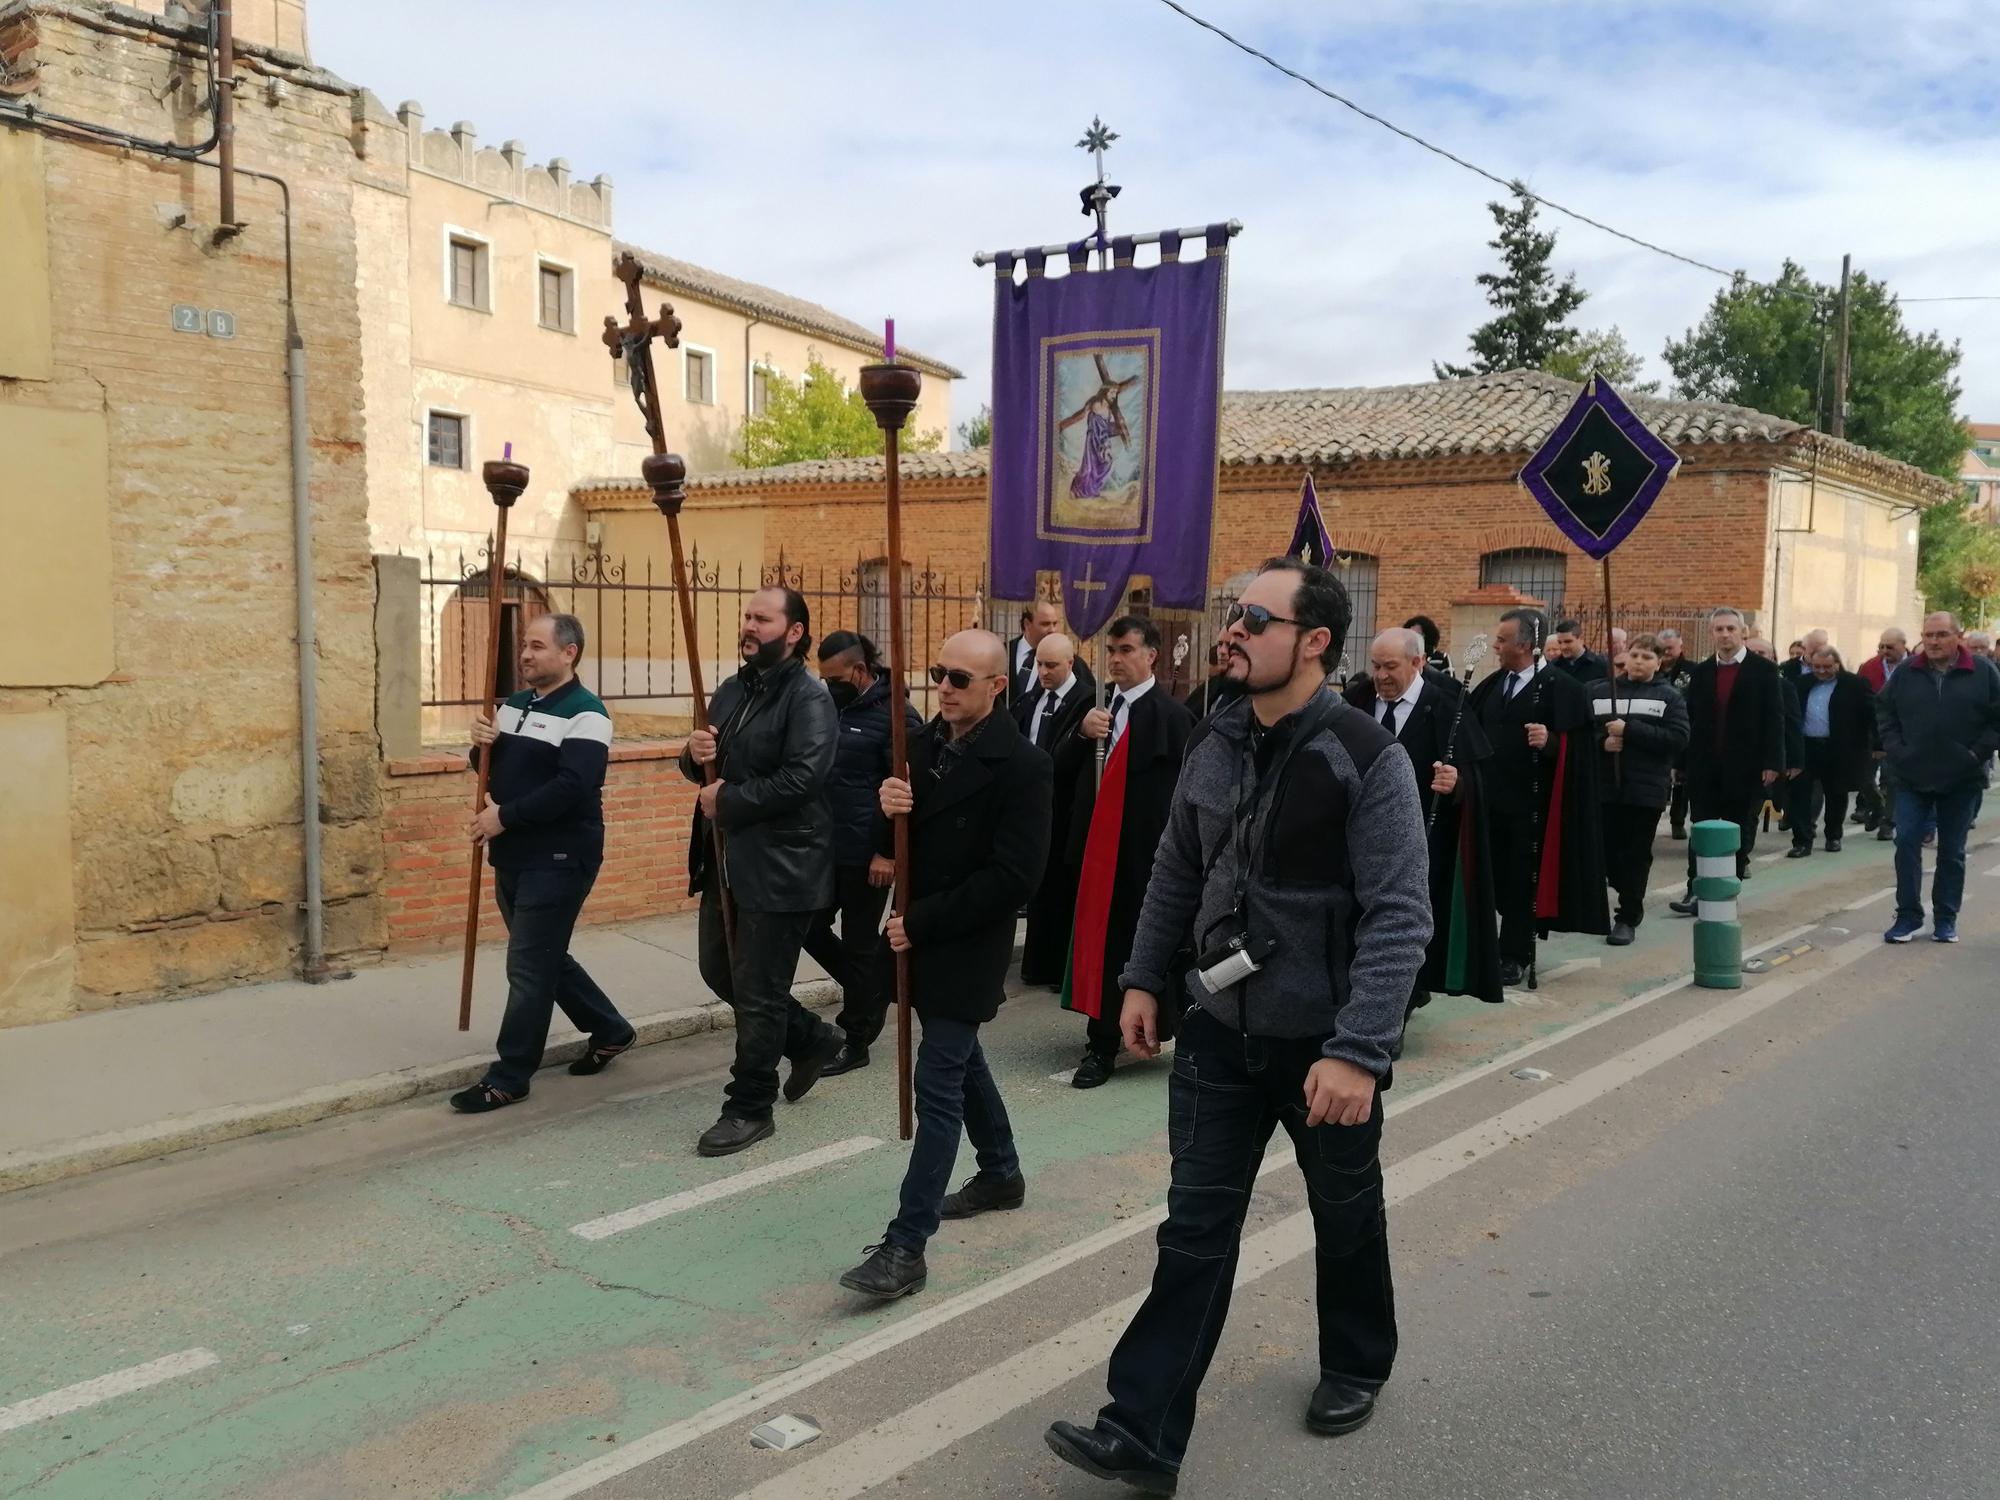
x=505, y=480
x=890, y=391
x=667, y=474
x=1474, y=655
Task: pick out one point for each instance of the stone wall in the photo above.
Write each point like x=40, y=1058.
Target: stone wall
x=648, y=811
x=182, y=790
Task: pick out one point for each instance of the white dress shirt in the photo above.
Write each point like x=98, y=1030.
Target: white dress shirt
x=1121, y=720
x=1523, y=680
x=1404, y=706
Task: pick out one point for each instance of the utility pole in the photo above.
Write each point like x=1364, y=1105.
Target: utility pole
x=1840, y=359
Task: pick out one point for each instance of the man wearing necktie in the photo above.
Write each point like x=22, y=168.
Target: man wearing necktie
x=1048, y=717
x=1547, y=848
x=1419, y=706
x=1115, y=827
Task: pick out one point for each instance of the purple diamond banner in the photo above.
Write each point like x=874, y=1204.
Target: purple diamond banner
x=1310, y=542
x=1107, y=390
x=1600, y=471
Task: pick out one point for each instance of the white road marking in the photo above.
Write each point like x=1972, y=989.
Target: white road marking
x=1865, y=901
x=892, y=1447
x=105, y=1387
x=1574, y=966
x=1995, y=871
x=725, y=1413
x=726, y=1187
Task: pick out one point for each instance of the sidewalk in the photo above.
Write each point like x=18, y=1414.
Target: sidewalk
x=124, y=1085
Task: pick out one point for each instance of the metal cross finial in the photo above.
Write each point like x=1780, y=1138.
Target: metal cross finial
x=1097, y=140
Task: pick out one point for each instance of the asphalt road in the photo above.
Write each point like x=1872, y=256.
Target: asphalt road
x=1736, y=1243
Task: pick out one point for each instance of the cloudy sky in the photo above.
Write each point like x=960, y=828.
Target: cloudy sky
x=858, y=151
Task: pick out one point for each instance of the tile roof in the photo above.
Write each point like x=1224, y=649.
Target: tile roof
x=770, y=305
x=1501, y=414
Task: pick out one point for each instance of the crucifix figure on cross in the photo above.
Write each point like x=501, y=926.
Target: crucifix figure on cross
x=666, y=472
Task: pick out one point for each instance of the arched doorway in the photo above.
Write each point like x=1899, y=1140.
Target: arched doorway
x=462, y=642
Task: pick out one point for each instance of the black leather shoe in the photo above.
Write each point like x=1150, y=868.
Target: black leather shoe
x=729, y=1135
x=1339, y=1406
x=1511, y=973
x=1679, y=835
x=847, y=1060
x=1621, y=935
x=1884, y=834
x=1833, y=846
x=889, y=1272
x=1091, y=1072
x=1798, y=851
x=1108, y=1455
x=805, y=1073
x=1683, y=907
x=983, y=1194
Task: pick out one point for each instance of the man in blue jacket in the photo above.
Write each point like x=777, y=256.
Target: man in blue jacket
x=851, y=667
x=1939, y=719
x=543, y=831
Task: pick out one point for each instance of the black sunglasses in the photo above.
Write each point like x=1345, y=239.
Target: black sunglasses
x=959, y=678
x=1255, y=618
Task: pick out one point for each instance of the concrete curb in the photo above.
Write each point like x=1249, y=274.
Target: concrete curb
x=95, y=1153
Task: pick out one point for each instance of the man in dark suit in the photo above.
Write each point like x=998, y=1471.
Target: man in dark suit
x=1549, y=855
x=1838, y=731
x=1791, y=708
x=1048, y=717
x=1569, y=654
x=978, y=804
x=1037, y=624
x=1736, y=739
x=1676, y=671
x=1419, y=707
x=1115, y=829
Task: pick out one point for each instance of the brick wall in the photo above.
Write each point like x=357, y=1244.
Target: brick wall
x=648, y=808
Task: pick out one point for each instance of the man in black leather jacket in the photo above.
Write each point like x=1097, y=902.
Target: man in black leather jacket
x=772, y=736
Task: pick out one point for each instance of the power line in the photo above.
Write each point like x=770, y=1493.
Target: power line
x=1511, y=185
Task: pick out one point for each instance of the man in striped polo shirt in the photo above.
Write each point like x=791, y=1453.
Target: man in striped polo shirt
x=543, y=830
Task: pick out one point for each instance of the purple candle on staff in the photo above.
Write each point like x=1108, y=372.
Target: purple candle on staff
x=508, y=454
x=889, y=340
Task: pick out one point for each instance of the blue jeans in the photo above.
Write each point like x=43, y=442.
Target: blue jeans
x=540, y=907
x=954, y=1089
x=1951, y=812
x=1226, y=1096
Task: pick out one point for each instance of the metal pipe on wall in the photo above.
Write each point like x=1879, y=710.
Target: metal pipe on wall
x=225, y=115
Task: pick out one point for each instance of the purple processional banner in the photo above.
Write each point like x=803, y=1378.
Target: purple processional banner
x=1107, y=390
x=1600, y=471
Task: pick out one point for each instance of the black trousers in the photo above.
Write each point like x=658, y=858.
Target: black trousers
x=1227, y=1094
x=1677, y=803
x=1710, y=797
x=757, y=985
x=854, y=960
x=1808, y=787
x=1513, y=841
x=1628, y=855
x=540, y=907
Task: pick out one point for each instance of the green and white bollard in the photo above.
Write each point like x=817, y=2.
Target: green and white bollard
x=1718, y=936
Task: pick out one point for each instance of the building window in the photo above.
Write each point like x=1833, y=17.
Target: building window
x=556, y=297
x=1535, y=571
x=1361, y=575
x=698, y=374
x=466, y=273
x=447, y=440
x=760, y=389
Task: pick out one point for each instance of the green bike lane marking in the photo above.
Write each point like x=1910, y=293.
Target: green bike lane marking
x=432, y=1294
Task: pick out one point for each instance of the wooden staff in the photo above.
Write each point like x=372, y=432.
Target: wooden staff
x=890, y=391
x=667, y=474
x=505, y=480
x=1611, y=669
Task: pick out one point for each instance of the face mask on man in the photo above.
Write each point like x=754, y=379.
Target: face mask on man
x=843, y=693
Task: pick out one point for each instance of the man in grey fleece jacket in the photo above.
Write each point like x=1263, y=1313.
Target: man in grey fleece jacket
x=1295, y=826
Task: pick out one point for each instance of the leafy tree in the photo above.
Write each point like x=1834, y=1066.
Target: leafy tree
x=1533, y=306
x=977, y=433
x=818, y=417
x=1604, y=351
x=1764, y=346
x=1958, y=561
